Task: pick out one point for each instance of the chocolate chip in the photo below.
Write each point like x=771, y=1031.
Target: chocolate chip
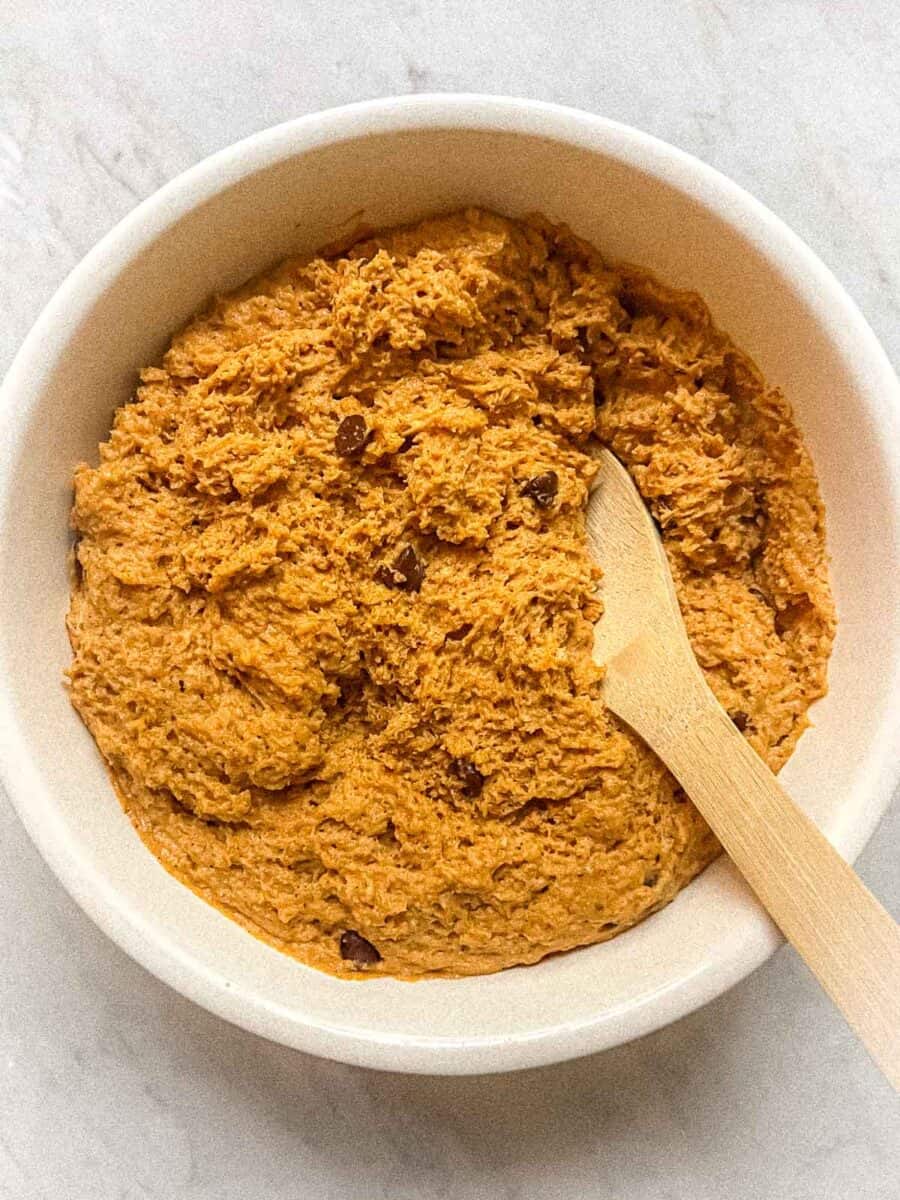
x=406, y=571
x=542, y=489
x=352, y=436
x=650, y=880
x=181, y=685
x=410, y=567
x=357, y=949
x=740, y=720
x=469, y=776
x=679, y=795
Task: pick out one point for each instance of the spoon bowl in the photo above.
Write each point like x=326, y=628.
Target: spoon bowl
x=309, y=183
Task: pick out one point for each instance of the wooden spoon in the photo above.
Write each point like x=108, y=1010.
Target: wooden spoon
x=653, y=682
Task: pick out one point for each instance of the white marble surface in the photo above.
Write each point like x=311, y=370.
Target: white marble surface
x=111, y=1086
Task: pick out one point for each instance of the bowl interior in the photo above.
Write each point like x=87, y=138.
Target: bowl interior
x=292, y=191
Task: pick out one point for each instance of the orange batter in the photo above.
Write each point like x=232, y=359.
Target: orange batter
x=332, y=618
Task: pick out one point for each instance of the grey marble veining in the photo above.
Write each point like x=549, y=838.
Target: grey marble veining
x=111, y=1086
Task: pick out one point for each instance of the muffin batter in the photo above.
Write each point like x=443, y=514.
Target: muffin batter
x=332, y=607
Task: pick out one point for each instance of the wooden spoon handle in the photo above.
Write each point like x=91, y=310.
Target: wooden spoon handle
x=849, y=942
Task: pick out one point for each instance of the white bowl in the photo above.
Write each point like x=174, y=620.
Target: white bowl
x=294, y=188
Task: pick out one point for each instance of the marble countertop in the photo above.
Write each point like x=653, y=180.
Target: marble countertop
x=112, y=1087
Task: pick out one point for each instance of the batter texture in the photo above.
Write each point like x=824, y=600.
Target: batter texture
x=332, y=603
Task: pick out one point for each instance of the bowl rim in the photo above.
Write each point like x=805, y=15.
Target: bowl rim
x=145, y=940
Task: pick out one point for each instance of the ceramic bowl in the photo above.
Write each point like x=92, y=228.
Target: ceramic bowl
x=292, y=189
